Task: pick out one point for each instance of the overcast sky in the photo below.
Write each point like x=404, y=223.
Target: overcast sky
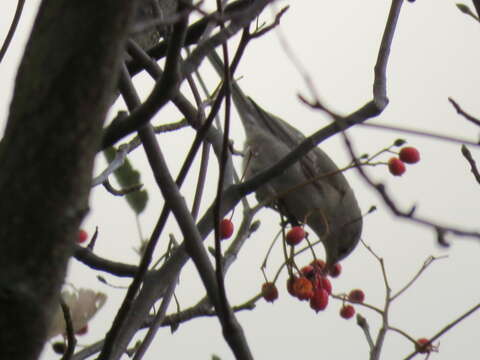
x=435, y=55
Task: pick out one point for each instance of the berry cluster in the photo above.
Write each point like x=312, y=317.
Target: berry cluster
x=355, y=296
x=409, y=155
x=312, y=284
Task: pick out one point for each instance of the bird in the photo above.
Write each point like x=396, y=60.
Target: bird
x=312, y=191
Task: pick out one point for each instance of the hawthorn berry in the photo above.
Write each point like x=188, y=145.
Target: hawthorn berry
x=226, y=229
x=295, y=235
x=319, y=300
x=318, y=265
x=356, y=296
x=424, y=346
x=336, y=270
x=303, y=288
x=396, y=166
x=291, y=280
x=82, y=331
x=409, y=155
x=308, y=271
x=82, y=236
x=347, y=311
x=324, y=283
x=269, y=292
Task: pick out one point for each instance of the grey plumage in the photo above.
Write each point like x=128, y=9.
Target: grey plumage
x=327, y=204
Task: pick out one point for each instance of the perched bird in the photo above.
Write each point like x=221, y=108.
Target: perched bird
x=312, y=191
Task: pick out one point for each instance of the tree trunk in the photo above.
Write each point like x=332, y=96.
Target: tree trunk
x=61, y=97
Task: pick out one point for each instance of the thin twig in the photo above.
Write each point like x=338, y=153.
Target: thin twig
x=122, y=192
x=421, y=133
x=440, y=230
x=375, y=352
x=12, y=29
x=463, y=113
x=93, y=261
x=473, y=166
x=93, y=240
x=403, y=333
x=117, y=162
x=220, y=184
x=202, y=173
x=448, y=327
x=425, y=265
x=157, y=321
x=363, y=324
x=71, y=340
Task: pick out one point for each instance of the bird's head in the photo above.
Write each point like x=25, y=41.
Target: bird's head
x=341, y=241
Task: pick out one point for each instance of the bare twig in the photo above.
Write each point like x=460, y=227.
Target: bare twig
x=448, y=327
x=344, y=298
x=120, y=157
x=165, y=90
x=93, y=240
x=223, y=301
x=409, y=215
x=424, y=267
x=157, y=321
x=362, y=322
x=273, y=25
x=463, y=113
x=473, y=166
x=202, y=173
x=403, y=333
x=375, y=354
x=93, y=261
x=11, y=30
x=122, y=192
x=71, y=340
x=428, y=134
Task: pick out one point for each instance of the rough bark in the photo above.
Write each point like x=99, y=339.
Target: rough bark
x=61, y=97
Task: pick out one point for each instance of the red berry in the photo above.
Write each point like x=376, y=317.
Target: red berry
x=336, y=270
x=295, y=235
x=324, y=283
x=396, y=166
x=82, y=331
x=291, y=280
x=226, y=229
x=409, y=154
x=318, y=264
x=356, y=296
x=269, y=292
x=308, y=271
x=347, y=311
x=82, y=236
x=423, y=346
x=303, y=288
x=319, y=301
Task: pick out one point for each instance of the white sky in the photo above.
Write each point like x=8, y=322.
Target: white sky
x=435, y=55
